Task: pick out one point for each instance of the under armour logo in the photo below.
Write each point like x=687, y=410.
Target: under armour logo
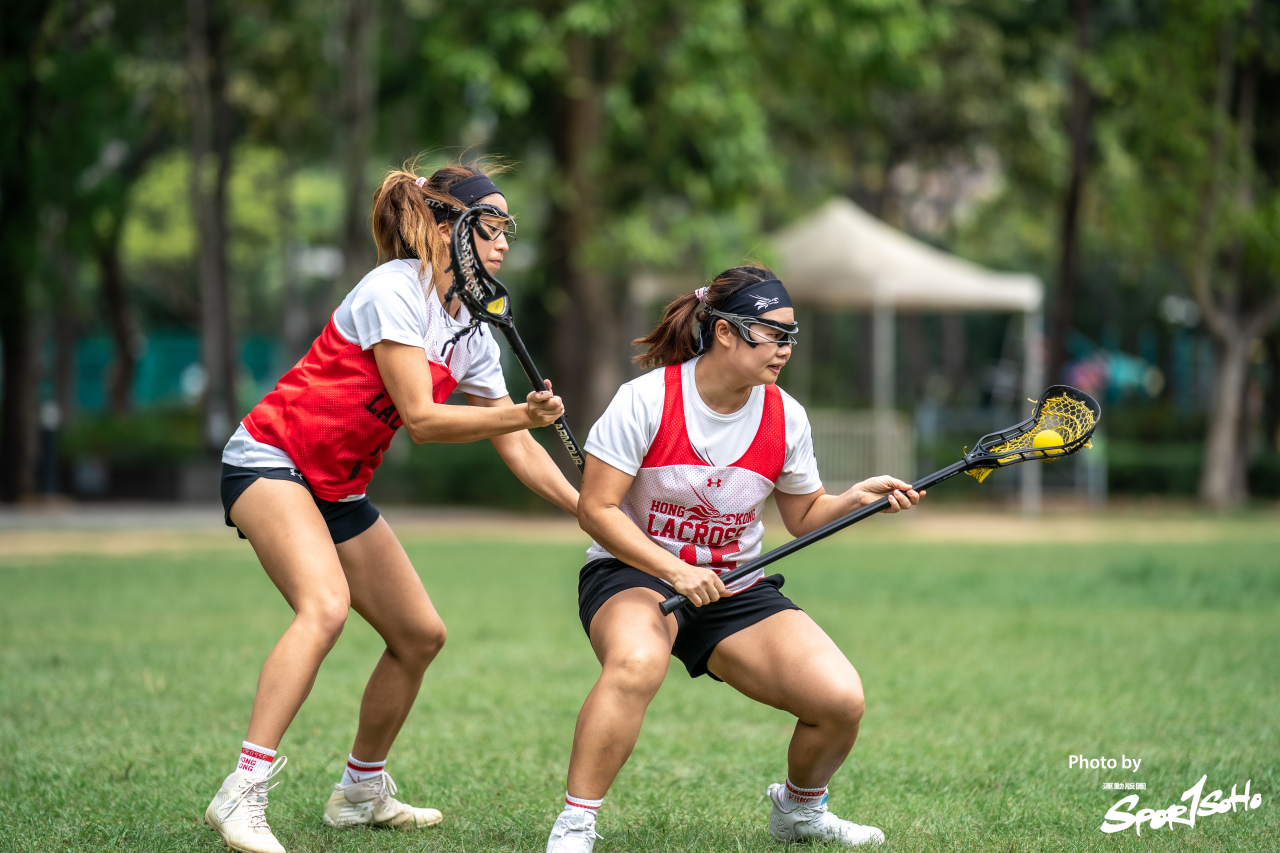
x=711, y=482
x=293, y=472
x=762, y=302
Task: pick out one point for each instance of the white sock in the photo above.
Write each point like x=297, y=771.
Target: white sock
x=359, y=771
x=797, y=797
x=592, y=806
x=255, y=759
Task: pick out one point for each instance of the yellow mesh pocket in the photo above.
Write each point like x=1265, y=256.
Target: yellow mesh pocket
x=1066, y=416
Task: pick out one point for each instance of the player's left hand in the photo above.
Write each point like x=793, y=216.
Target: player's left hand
x=544, y=406
x=901, y=496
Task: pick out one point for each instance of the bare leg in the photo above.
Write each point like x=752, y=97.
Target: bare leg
x=788, y=662
x=387, y=592
x=633, y=642
x=292, y=541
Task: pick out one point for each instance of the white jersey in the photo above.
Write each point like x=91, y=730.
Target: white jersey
x=703, y=501
x=391, y=304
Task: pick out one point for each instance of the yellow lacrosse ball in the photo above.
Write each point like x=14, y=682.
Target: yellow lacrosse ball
x=1047, y=438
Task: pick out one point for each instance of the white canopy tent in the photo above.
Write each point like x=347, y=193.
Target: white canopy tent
x=843, y=257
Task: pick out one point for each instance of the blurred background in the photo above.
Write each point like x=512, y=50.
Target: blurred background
x=971, y=200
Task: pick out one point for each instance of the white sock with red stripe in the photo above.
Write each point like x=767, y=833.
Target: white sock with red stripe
x=255, y=759
x=797, y=797
x=359, y=771
x=592, y=806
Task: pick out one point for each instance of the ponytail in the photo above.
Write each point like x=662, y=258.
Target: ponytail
x=678, y=336
x=407, y=208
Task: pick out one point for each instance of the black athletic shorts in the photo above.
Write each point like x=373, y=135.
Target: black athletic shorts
x=701, y=628
x=346, y=519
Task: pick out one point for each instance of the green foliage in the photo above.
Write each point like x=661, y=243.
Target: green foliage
x=159, y=231
x=159, y=239
x=450, y=474
x=126, y=682
x=697, y=103
x=1163, y=469
x=158, y=438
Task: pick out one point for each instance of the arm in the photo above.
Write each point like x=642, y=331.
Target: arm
x=407, y=375
x=805, y=513
x=600, y=514
x=529, y=460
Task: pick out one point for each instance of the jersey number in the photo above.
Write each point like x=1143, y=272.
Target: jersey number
x=718, y=552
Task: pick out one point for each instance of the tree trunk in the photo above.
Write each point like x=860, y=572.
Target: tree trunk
x=211, y=134
x=1220, y=485
x=1079, y=126
x=124, y=365
x=1271, y=406
x=586, y=353
x=18, y=228
x=1223, y=484
x=359, y=111
x=296, y=319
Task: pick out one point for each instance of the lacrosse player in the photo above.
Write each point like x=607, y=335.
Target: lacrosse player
x=294, y=479
x=677, y=472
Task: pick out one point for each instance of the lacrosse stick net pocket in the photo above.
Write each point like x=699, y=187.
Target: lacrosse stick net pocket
x=1072, y=419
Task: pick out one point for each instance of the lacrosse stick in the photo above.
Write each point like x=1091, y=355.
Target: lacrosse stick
x=1064, y=420
x=487, y=299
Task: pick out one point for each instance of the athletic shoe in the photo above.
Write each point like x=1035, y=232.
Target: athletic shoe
x=373, y=803
x=238, y=812
x=816, y=824
x=574, y=832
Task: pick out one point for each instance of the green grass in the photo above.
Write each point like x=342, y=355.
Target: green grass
x=125, y=685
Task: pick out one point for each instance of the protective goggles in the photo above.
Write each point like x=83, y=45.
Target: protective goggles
x=744, y=326
x=489, y=228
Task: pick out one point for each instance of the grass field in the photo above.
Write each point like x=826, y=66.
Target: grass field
x=126, y=679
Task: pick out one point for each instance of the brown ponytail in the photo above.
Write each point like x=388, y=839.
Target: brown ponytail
x=405, y=218
x=675, y=340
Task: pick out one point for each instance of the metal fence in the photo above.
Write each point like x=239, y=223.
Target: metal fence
x=853, y=445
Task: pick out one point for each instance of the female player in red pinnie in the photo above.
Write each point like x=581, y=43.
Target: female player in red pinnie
x=677, y=472
x=294, y=477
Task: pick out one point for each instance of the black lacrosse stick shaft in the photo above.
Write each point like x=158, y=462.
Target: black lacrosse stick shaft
x=531, y=370
x=675, y=602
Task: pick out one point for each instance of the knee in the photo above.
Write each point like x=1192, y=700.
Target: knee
x=326, y=616
x=418, y=647
x=839, y=709
x=637, y=671
x=845, y=707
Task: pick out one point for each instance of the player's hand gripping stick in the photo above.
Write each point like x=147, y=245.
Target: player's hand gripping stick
x=1069, y=413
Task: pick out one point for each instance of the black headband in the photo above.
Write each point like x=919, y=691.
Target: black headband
x=750, y=301
x=471, y=190
x=756, y=299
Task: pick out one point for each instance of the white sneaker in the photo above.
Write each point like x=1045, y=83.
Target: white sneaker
x=816, y=824
x=373, y=803
x=238, y=811
x=574, y=832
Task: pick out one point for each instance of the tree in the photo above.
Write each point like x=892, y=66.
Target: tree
x=657, y=123
x=69, y=137
x=1080, y=133
x=1207, y=196
x=359, y=92
x=20, y=46
x=211, y=135
x=1236, y=322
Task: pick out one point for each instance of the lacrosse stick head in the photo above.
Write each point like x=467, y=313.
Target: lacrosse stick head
x=1062, y=424
x=482, y=293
